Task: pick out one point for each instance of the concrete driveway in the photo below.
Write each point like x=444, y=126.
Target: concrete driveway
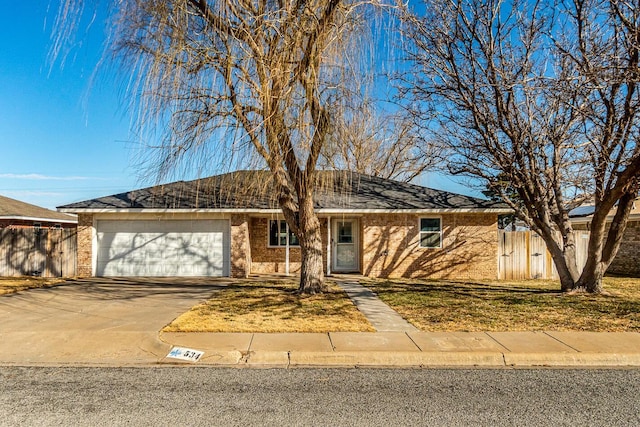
x=97, y=321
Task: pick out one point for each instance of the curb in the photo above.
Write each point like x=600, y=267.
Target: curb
x=573, y=359
x=383, y=359
x=396, y=359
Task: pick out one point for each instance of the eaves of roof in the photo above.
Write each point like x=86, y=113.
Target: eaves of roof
x=70, y=220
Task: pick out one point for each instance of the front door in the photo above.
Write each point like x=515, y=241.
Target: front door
x=345, y=245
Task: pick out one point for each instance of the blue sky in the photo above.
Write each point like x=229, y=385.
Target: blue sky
x=64, y=135
x=63, y=138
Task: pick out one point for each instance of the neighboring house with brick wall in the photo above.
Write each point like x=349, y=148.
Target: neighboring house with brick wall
x=230, y=225
x=627, y=260
x=17, y=214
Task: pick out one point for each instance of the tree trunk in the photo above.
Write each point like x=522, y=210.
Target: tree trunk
x=562, y=261
x=603, y=245
x=591, y=279
x=310, y=237
x=563, y=255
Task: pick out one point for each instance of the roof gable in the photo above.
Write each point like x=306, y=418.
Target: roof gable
x=15, y=209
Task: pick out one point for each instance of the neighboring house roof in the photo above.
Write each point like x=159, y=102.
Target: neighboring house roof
x=336, y=191
x=584, y=213
x=581, y=211
x=17, y=210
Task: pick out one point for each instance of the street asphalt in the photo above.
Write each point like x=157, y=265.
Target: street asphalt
x=117, y=322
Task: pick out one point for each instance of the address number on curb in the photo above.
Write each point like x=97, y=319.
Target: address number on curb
x=185, y=354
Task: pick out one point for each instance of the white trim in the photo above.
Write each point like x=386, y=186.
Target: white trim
x=329, y=247
x=33, y=218
x=269, y=245
x=409, y=211
x=226, y=246
x=128, y=216
x=439, y=218
x=355, y=234
x=588, y=219
x=94, y=246
x=286, y=254
x=279, y=211
x=229, y=248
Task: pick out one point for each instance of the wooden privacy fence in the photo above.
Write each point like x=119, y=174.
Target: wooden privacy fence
x=524, y=255
x=46, y=252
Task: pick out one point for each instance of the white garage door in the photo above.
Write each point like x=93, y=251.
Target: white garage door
x=163, y=248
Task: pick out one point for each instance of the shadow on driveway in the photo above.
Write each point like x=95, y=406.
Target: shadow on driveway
x=112, y=321
x=125, y=288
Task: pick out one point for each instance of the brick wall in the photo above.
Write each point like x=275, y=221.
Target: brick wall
x=469, y=247
x=85, y=240
x=240, y=247
x=389, y=247
x=627, y=260
x=267, y=260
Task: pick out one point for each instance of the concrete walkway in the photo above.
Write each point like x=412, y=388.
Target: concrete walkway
x=382, y=317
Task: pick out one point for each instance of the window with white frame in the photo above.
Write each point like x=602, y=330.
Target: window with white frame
x=430, y=233
x=279, y=232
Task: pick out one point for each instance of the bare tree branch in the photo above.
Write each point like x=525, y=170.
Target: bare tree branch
x=540, y=101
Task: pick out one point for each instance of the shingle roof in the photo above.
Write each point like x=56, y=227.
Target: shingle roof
x=253, y=190
x=15, y=209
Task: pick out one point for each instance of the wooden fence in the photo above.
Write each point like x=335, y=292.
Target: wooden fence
x=524, y=255
x=46, y=252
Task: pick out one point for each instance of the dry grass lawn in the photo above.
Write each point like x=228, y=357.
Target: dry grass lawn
x=9, y=285
x=272, y=306
x=532, y=305
x=511, y=306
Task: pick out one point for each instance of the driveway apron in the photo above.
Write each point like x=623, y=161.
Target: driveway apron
x=96, y=321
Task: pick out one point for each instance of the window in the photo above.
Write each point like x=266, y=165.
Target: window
x=345, y=234
x=430, y=233
x=278, y=232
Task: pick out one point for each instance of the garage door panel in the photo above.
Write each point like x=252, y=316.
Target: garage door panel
x=163, y=248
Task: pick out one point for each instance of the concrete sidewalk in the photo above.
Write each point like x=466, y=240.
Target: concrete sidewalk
x=412, y=349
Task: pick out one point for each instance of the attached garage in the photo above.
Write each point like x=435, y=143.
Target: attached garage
x=162, y=247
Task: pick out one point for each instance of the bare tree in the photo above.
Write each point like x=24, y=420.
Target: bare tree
x=387, y=145
x=232, y=81
x=539, y=100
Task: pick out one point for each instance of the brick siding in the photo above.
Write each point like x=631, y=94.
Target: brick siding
x=268, y=260
x=85, y=241
x=240, y=247
x=627, y=260
x=390, y=247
